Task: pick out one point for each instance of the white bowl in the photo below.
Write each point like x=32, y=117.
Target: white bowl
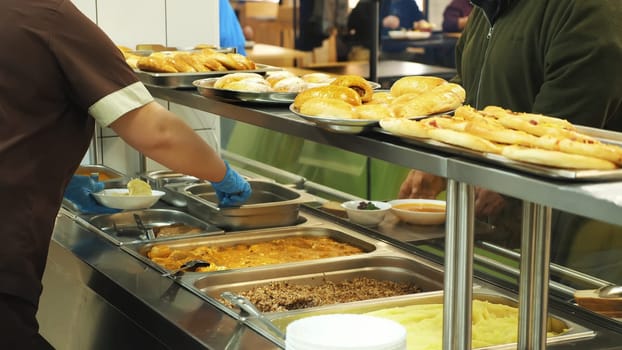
x=119, y=198
x=417, y=35
x=366, y=217
x=420, y=211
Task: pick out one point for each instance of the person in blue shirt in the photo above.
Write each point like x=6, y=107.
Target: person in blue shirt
x=231, y=34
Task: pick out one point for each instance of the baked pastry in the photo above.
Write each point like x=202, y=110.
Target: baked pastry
x=250, y=85
x=356, y=83
x=374, y=111
x=192, y=61
x=155, y=64
x=381, y=97
x=229, y=78
x=326, y=107
x=275, y=76
x=442, y=98
x=415, y=84
x=291, y=84
x=317, y=78
x=329, y=91
x=210, y=63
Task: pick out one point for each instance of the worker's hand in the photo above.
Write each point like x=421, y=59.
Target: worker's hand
x=391, y=22
x=488, y=203
x=421, y=185
x=79, y=190
x=233, y=189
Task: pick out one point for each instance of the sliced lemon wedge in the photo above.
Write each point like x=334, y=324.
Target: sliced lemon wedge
x=137, y=187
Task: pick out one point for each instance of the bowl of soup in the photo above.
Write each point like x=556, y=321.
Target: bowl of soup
x=419, y=211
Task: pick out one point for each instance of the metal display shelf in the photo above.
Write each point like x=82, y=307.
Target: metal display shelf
x=601, y=201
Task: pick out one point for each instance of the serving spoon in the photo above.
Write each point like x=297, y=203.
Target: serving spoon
x=610, y=291
x=190, y=264
x=248, y=308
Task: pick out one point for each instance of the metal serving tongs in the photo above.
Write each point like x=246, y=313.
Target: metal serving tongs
x=191, y=264
x=148, y=231
x=247, y=308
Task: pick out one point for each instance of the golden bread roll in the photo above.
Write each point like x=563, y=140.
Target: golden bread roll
x=291, y=84
x=275, y=76
x=319, y=78
x=381, y=97
x=443, y=98
x=415, y=84
x=210, y=63
x=326, y=107
x=180, y=64
x=405, y=98
x=249, y=85
x=374, y=111
x=156, y=64
x=229, y=78
x=329, y=91
x=356, y=83
x=229, y=61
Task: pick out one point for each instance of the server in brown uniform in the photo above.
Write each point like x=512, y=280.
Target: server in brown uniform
x=59, y=73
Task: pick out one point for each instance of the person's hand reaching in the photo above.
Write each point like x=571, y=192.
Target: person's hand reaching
x=488, y=203
x=233, y=189
x=419, y=184
x=79, y=190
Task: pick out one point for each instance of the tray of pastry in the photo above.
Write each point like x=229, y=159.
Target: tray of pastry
x=572, y=173
x=185, y=80
x=274, y=87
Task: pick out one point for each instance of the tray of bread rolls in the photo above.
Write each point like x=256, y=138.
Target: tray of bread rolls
x=349, y=105
x=273, y=87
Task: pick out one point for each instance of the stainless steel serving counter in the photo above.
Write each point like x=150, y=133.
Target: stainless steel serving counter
x=601, y=201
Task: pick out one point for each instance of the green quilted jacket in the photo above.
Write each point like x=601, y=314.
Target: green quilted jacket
x=556, y=57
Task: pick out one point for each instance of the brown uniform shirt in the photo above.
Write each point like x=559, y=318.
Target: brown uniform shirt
x=55, y=66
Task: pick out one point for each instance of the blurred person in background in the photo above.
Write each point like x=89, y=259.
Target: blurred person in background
x=558, y=58
x=455, y=15
x=231, y=33
x=394, y=15
x=61, y=76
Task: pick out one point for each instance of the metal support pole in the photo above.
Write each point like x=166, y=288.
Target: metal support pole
x=458, y=288
x=375, y=42
x=534, y=276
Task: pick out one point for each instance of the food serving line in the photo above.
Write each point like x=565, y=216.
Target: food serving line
x=596, y=200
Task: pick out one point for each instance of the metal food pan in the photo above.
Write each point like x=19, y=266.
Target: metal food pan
x=161, y=179
x=270, y=205
x=384, y=268
x=122, y=227
x=566, y=329
x=185, y=80
x=140, y=250
x=106, y=174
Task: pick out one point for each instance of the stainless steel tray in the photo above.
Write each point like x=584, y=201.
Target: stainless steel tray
x=338, y=125
x=141, y=249
x=270, y=205
x=161, y=179
x=387, y=268
x=568, y=330
x=122, y=228
x=185, y=80
x=534, y=169
x=206, y=88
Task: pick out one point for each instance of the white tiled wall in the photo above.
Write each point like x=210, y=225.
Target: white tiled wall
x=177, y=23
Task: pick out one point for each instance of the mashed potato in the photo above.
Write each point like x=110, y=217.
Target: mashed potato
x=493, y=324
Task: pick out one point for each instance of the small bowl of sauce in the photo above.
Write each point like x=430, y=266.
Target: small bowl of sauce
x=419, y=211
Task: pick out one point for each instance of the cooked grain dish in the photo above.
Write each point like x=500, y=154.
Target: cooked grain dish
x=285, y=296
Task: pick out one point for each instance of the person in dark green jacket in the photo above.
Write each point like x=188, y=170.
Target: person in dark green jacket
x=554, y=57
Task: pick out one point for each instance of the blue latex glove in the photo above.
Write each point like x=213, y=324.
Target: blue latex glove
x=232, y=190
x=79, y=191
